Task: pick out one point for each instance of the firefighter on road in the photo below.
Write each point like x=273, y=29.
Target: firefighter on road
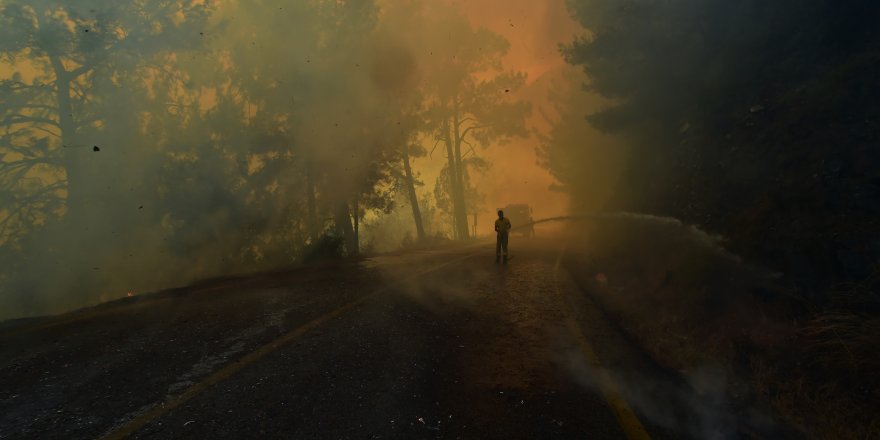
x=502, y=229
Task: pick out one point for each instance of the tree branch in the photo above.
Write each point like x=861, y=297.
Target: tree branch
x=18, y=85
x=75, y=88
x=35, y=106
x=61, y=74
x=472, y=127
x=47, y=131
x=465, y=119
x=87, y=67
x=21, y=131
x=22, y=119
x=81, y=70
x=470, y=145
x=430, y=155
x=24, y=207
x=22, y=166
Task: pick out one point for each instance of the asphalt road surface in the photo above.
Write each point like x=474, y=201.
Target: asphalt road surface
x=420, y=345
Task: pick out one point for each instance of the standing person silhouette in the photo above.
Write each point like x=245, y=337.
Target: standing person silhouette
x=502, y=229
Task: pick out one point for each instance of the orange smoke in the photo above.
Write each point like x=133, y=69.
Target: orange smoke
x=534, y=29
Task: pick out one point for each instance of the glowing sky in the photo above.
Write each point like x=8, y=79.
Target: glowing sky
x=534, y=29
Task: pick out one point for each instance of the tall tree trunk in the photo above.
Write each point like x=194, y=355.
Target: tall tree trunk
x=310, y=200
x=73, y=154
x=356, y=240
x=475, y=225
x=461, y=214
x=453, y=181
x=76, y=158
x=344, y=228
x=413, y=197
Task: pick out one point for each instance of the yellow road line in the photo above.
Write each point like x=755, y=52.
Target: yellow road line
x=143, y=419
x=626, y=417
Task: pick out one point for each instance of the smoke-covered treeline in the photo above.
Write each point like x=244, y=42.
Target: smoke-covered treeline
x=146, y=144
x=754, y=119
x=586, y=163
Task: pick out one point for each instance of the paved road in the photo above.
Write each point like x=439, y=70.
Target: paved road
x=433, y=344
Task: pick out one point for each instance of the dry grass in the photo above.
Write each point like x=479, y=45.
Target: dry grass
x=813, y=366
x=845, y=334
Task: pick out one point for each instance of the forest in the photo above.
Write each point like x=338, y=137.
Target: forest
x=758, y=123
x=150, y=144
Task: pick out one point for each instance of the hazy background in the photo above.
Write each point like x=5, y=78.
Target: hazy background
x=146, y=146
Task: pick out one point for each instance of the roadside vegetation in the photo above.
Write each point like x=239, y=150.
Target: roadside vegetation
x=758, y=122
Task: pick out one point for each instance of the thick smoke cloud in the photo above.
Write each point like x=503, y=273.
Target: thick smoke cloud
x=149, y=145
